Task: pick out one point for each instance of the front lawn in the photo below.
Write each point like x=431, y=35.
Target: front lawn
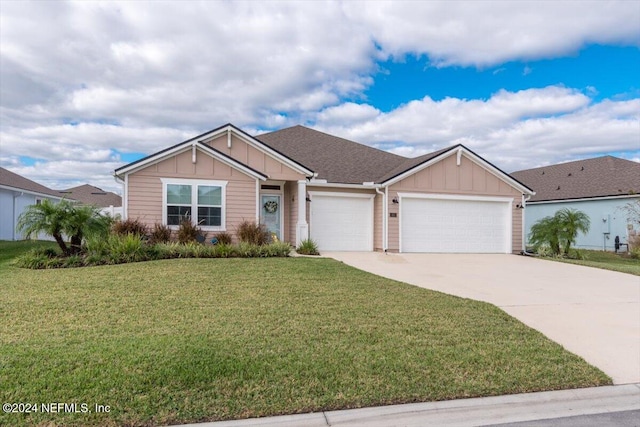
x=190, y=340
x=606, y=260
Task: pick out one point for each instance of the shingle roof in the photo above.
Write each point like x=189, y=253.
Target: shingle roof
x=13, y=180
x=90, y=195
x=599, y=177
x=335, y=159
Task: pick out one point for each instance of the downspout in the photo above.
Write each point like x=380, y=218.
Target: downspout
x=384, y=218
x=524, y=205
x=13, y=229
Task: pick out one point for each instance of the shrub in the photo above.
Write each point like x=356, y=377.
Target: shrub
x=308, y=247
x=250, y=232
x=128, y=248
x=224, y=238
x=160, y=234
x=276, y=249
x=129, y=226
x=224, y=250
x=248, y=250
x=187, y=232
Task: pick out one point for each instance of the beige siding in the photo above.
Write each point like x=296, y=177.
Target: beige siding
x=446, y=177
x=247, y=154
x=378, y=203
x=145, y=188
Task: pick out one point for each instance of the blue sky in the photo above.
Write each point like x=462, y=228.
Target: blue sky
x=87, y=87
x=602, y=71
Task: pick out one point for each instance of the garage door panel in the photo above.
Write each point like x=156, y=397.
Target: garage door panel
x=445, y=225
x=342, y=223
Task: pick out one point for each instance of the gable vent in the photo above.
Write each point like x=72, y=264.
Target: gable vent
x=270, y=187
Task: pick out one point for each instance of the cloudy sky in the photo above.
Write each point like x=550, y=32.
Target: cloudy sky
x=87, y=87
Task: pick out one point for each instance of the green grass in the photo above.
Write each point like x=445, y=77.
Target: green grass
x=9, y=250
x=606, y=261
x=189, y=340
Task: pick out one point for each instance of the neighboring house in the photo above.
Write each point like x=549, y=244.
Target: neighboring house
x=598, y=187
x=16, y=193
x=110, y=203
x=346, y=196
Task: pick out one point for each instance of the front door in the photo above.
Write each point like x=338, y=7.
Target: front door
x=270, y=213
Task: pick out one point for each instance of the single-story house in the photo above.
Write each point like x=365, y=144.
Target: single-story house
x=87, y=194
x=346, y=196
x=16, y=193
x=599, y=187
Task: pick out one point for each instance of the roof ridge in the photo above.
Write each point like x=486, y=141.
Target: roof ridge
x=606, y=156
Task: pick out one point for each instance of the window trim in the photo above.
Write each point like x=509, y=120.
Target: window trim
x=194, y=183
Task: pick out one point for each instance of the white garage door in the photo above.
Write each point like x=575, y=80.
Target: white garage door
x=341, y=222
x=454, y=225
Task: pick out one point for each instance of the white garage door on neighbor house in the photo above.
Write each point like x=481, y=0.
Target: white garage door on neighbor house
x=454, y=224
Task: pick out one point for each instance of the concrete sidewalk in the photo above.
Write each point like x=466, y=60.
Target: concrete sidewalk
x=465, y=412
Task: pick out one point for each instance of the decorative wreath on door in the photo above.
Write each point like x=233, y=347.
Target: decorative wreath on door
x=271, y=206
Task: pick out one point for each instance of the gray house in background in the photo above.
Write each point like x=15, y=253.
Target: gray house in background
x=16, y=193
x=109, y=202
x=599, y=187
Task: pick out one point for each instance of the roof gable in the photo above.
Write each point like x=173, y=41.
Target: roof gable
x=14, y=181
x=199, y=142
x=417, y=164
x=605, y=176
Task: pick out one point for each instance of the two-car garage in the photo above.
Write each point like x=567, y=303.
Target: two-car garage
x=454, y=224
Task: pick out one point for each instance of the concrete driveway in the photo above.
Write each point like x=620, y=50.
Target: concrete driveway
x=591, y=312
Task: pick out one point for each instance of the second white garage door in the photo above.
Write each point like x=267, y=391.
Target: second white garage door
x=341, y=221
x=455, y=224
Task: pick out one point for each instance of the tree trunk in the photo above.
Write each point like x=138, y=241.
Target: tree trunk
x=76, y=244
x=61, y=243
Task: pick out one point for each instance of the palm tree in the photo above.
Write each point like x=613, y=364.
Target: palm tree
x=572, y=222
x=83, y=221
x=546, y=231
x=46, y=217
x=560, y=230
x=63, y=219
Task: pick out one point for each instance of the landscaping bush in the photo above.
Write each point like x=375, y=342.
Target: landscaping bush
x=187, y=232
x=276, y=249
x=160, y=234
x=224, y=250
x=129, y=226
x=250, y=232
x=308, y=247
x=224, y=238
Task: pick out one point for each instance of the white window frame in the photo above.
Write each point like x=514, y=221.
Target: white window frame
x=194, y=183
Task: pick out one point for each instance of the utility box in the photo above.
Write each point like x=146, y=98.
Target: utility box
x=606, y=224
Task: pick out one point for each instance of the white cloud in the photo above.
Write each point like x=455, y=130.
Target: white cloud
x=513, y=129
x=484, y=33
x=138, y=76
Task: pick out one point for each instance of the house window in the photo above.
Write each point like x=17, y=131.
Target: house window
x=201, y=202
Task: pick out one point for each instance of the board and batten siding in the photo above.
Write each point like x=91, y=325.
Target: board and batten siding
x=145, y=188
x=258, y=160
x=446, y=177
